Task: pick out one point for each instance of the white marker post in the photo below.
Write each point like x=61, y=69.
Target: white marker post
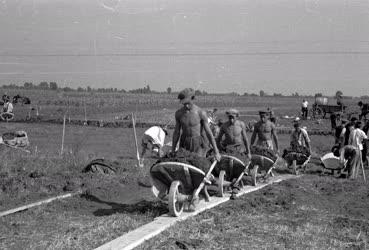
x=62, y=145
x=85, y=110
x=134, y=133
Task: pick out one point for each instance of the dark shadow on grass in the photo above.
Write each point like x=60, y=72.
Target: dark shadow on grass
x=155, y=208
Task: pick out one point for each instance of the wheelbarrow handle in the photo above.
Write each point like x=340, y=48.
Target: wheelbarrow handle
x=202, y=184
x=243, y=173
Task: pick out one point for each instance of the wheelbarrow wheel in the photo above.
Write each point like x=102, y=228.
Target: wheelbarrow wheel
x=175, y=206
x=221, y=183
x=254, y=174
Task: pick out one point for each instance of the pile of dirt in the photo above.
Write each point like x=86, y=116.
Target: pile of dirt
x=187, y=157
x=298, y=153
x=257, y=150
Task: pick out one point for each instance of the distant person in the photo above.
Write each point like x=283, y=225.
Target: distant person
x=333, y=117
x=339, y=133
x=364, y=108
x=340, y=102
x=7, y=108
x=348, y=128
x=234, y=133
x=153, y=140
x=272, y=117
x=265, y=132
x=304, y=109
x=350, y=154
x=357, y=137
x=299, y=137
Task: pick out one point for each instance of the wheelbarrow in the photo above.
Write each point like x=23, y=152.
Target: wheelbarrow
x=229, y=171
x=293, y=160
x=179, y=184
x=332, y=163
x=261, y=166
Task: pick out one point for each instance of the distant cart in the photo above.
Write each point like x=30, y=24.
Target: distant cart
x=321, y=108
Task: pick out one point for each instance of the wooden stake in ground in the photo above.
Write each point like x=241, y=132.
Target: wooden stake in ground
x=85, y=110
x=62, y=145
x=362, y=165
x=136, y=144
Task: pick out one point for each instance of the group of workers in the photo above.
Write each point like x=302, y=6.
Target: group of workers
x=192, y=132
x=351, y=144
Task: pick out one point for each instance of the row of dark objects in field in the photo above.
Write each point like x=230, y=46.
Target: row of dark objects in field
x=128, y=124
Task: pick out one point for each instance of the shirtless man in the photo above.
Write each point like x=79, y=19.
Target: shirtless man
x=192, y=121
x=265, y=131
x=234, y=132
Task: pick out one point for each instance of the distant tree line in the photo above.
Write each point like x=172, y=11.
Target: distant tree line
x=147, y=90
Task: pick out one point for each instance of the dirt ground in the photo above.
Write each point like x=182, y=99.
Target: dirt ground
x=111, y=203
x=311, y=212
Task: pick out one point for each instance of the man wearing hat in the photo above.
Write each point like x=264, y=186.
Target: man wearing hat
x=234, y=132
x=265, y=132
x=299, y=137
x=191, y=123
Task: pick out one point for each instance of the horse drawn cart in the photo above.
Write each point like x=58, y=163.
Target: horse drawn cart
x=321, y=108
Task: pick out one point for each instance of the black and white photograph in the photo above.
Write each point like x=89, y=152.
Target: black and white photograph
x=184, y=124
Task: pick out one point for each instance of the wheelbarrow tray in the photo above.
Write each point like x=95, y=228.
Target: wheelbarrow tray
x=332, y=162
x=233, y=171
x=164, y=173
x=264, y=163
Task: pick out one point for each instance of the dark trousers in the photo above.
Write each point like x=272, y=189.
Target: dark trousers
x=304, y=112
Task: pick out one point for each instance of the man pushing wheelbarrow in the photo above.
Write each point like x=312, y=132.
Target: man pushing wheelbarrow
x=263, y=156
x=186, y=181
x=234, y=146
x=299, y=152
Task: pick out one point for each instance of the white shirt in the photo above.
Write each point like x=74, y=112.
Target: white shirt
x=8, y=107
x=356, y=138
x=157, y=134
x=305, y=104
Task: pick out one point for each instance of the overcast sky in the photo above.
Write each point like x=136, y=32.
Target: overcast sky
x=280, y=46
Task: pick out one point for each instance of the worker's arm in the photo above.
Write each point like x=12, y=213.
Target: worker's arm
x=253, y=137
x=307, y=141
x=245, y=140
x=275, y=138
x=176, y=133
x=209, y=134
x=219, y=137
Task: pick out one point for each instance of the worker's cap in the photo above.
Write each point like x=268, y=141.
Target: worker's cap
x=344, y=121
x=233, y=113
x=353, y=119
x=262, y=112
x=186, y=95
